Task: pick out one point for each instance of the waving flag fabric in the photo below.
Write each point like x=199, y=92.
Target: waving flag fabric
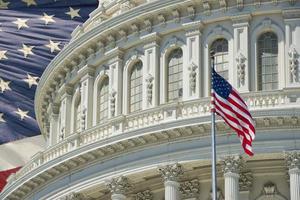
x=32, y=32
x=230, y=106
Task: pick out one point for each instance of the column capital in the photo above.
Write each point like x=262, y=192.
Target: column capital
x=118, y=185
x=144, y=195
x=190, y=189
x=292, y=159
x=232, y=164
x=171, y=172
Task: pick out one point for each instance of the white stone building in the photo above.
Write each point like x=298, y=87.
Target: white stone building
x=124, y=107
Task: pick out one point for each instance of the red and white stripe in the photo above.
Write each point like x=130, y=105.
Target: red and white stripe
x=235, y=113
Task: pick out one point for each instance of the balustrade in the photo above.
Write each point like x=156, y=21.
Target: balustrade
x=152, y=117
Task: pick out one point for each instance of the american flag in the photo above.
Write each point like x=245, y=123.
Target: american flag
x=32, y=32
x=230, y=106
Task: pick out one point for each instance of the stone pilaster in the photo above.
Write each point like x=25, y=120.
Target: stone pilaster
x=293, y=164
x=192, y=61
x=190, y=189
x=151, y=70
x=65, y=117
x=53, y=118
x=241, y=52
x=170, y=174
x=118, y=186
x=231, y=166
x=87, y=85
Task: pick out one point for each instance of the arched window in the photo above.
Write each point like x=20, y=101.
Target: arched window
x=174, y=72
x=220, y=47
x=103, y=100
x=136, y=87
x=77, y=117
x=267, y=49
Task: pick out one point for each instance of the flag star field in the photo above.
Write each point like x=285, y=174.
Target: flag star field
x=32, y=32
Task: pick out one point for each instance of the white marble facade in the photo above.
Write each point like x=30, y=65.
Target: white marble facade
x=124, y=107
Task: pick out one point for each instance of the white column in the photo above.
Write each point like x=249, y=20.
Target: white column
x=241, y=53
x=170, y=174
x=231, y=165
x=231, y=186
x=293, y=163
x=171, y=190
x=118, y=186
x=87, y=84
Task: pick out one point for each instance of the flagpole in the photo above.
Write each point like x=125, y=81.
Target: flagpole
x=213, y=135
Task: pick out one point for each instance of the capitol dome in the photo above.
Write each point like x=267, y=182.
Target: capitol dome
x=125, y=106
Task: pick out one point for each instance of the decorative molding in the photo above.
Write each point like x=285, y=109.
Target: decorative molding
x=118, y=185
x=206, y=7
x=148, y=25
x=112, y=98
x=144, y=195
x=270, y=191
x=190, y=189
x=294, y=64
x=193, y=76
x=245, y=181
x=176, y=15
x=191, y=12
x=171, y=172
x=149, y=85
x=241, y=65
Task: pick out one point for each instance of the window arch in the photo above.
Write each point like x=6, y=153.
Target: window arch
x=103, y=97
x=220, y=47
x=267, y=61
x=136, y=87
x=77, y=113
x=174, y=75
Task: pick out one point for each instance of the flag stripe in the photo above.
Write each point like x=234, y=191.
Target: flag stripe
x=230, y=106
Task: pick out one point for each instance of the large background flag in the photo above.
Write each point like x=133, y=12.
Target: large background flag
x=32, y=32
x=230, y=106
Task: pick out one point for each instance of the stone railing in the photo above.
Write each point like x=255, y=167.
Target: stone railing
x=154, y=116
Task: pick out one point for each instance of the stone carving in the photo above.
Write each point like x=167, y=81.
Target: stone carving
x=293, y=63
x=190, y=189
x=292, y=159
x=149, y=83
x=118, y=185
x=240, y=59
x=126, y=5
x=73, y=196
x=145, y=195
x=191, y=12
x=148, y=25
x=207, y=8
x=232, y=164
x=269, y=189
x=135, y=28
x=171, y=172
x=83, y=118
x=111, y=41
x=193, y=76
x=176, y=16
x=245, y=181
x=112, y=99
x=161, y=19
x=219, y=195
x=240, y=4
